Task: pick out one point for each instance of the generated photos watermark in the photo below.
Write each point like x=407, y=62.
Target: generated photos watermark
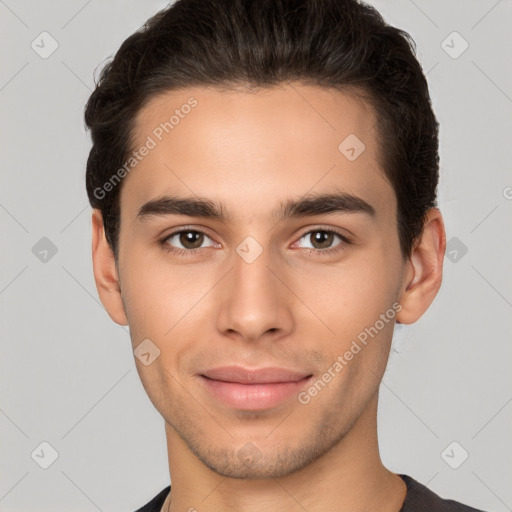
x=304, y=397
x=157, y=135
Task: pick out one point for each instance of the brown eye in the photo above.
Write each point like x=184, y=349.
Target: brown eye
x=321, y=239
x=186, y=239
x=191, y=239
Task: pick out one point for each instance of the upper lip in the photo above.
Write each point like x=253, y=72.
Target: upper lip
x=254, y=376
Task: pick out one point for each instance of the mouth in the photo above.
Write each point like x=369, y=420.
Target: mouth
x=254, y=390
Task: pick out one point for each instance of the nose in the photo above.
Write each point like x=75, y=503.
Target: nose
x=254, y=301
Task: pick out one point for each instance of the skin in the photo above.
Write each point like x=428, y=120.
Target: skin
x=292, y=307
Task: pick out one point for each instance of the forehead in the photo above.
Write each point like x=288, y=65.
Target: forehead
x=308, y=112
x=253, y=145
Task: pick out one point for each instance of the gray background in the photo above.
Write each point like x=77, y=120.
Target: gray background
x=67, y=371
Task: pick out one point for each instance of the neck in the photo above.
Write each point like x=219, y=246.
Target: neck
x=349, y=477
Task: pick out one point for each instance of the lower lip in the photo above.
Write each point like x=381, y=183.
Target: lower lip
x=254, y=397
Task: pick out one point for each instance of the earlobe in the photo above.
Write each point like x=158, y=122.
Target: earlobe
x=105, y=272
x=424, y=270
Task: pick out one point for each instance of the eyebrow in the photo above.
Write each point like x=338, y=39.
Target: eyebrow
x=310, y=204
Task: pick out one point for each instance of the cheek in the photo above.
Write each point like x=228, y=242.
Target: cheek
x=155, y=298
x=352, y=295
x=164, y=305
x=350, y=303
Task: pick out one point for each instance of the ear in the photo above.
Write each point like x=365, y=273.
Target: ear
x=105, y=272
x=424, y=269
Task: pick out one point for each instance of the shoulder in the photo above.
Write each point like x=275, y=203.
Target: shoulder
x=421, y=499
x=155, y=505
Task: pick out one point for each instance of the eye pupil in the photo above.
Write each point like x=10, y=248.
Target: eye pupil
x=324, y=238
x=191, y=239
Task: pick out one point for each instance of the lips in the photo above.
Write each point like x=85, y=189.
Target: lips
x=257, y=376
x=253, y=389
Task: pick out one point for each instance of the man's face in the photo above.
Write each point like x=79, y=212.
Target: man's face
x=256, y=289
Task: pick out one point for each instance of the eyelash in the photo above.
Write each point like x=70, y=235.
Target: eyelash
x=191, y=252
